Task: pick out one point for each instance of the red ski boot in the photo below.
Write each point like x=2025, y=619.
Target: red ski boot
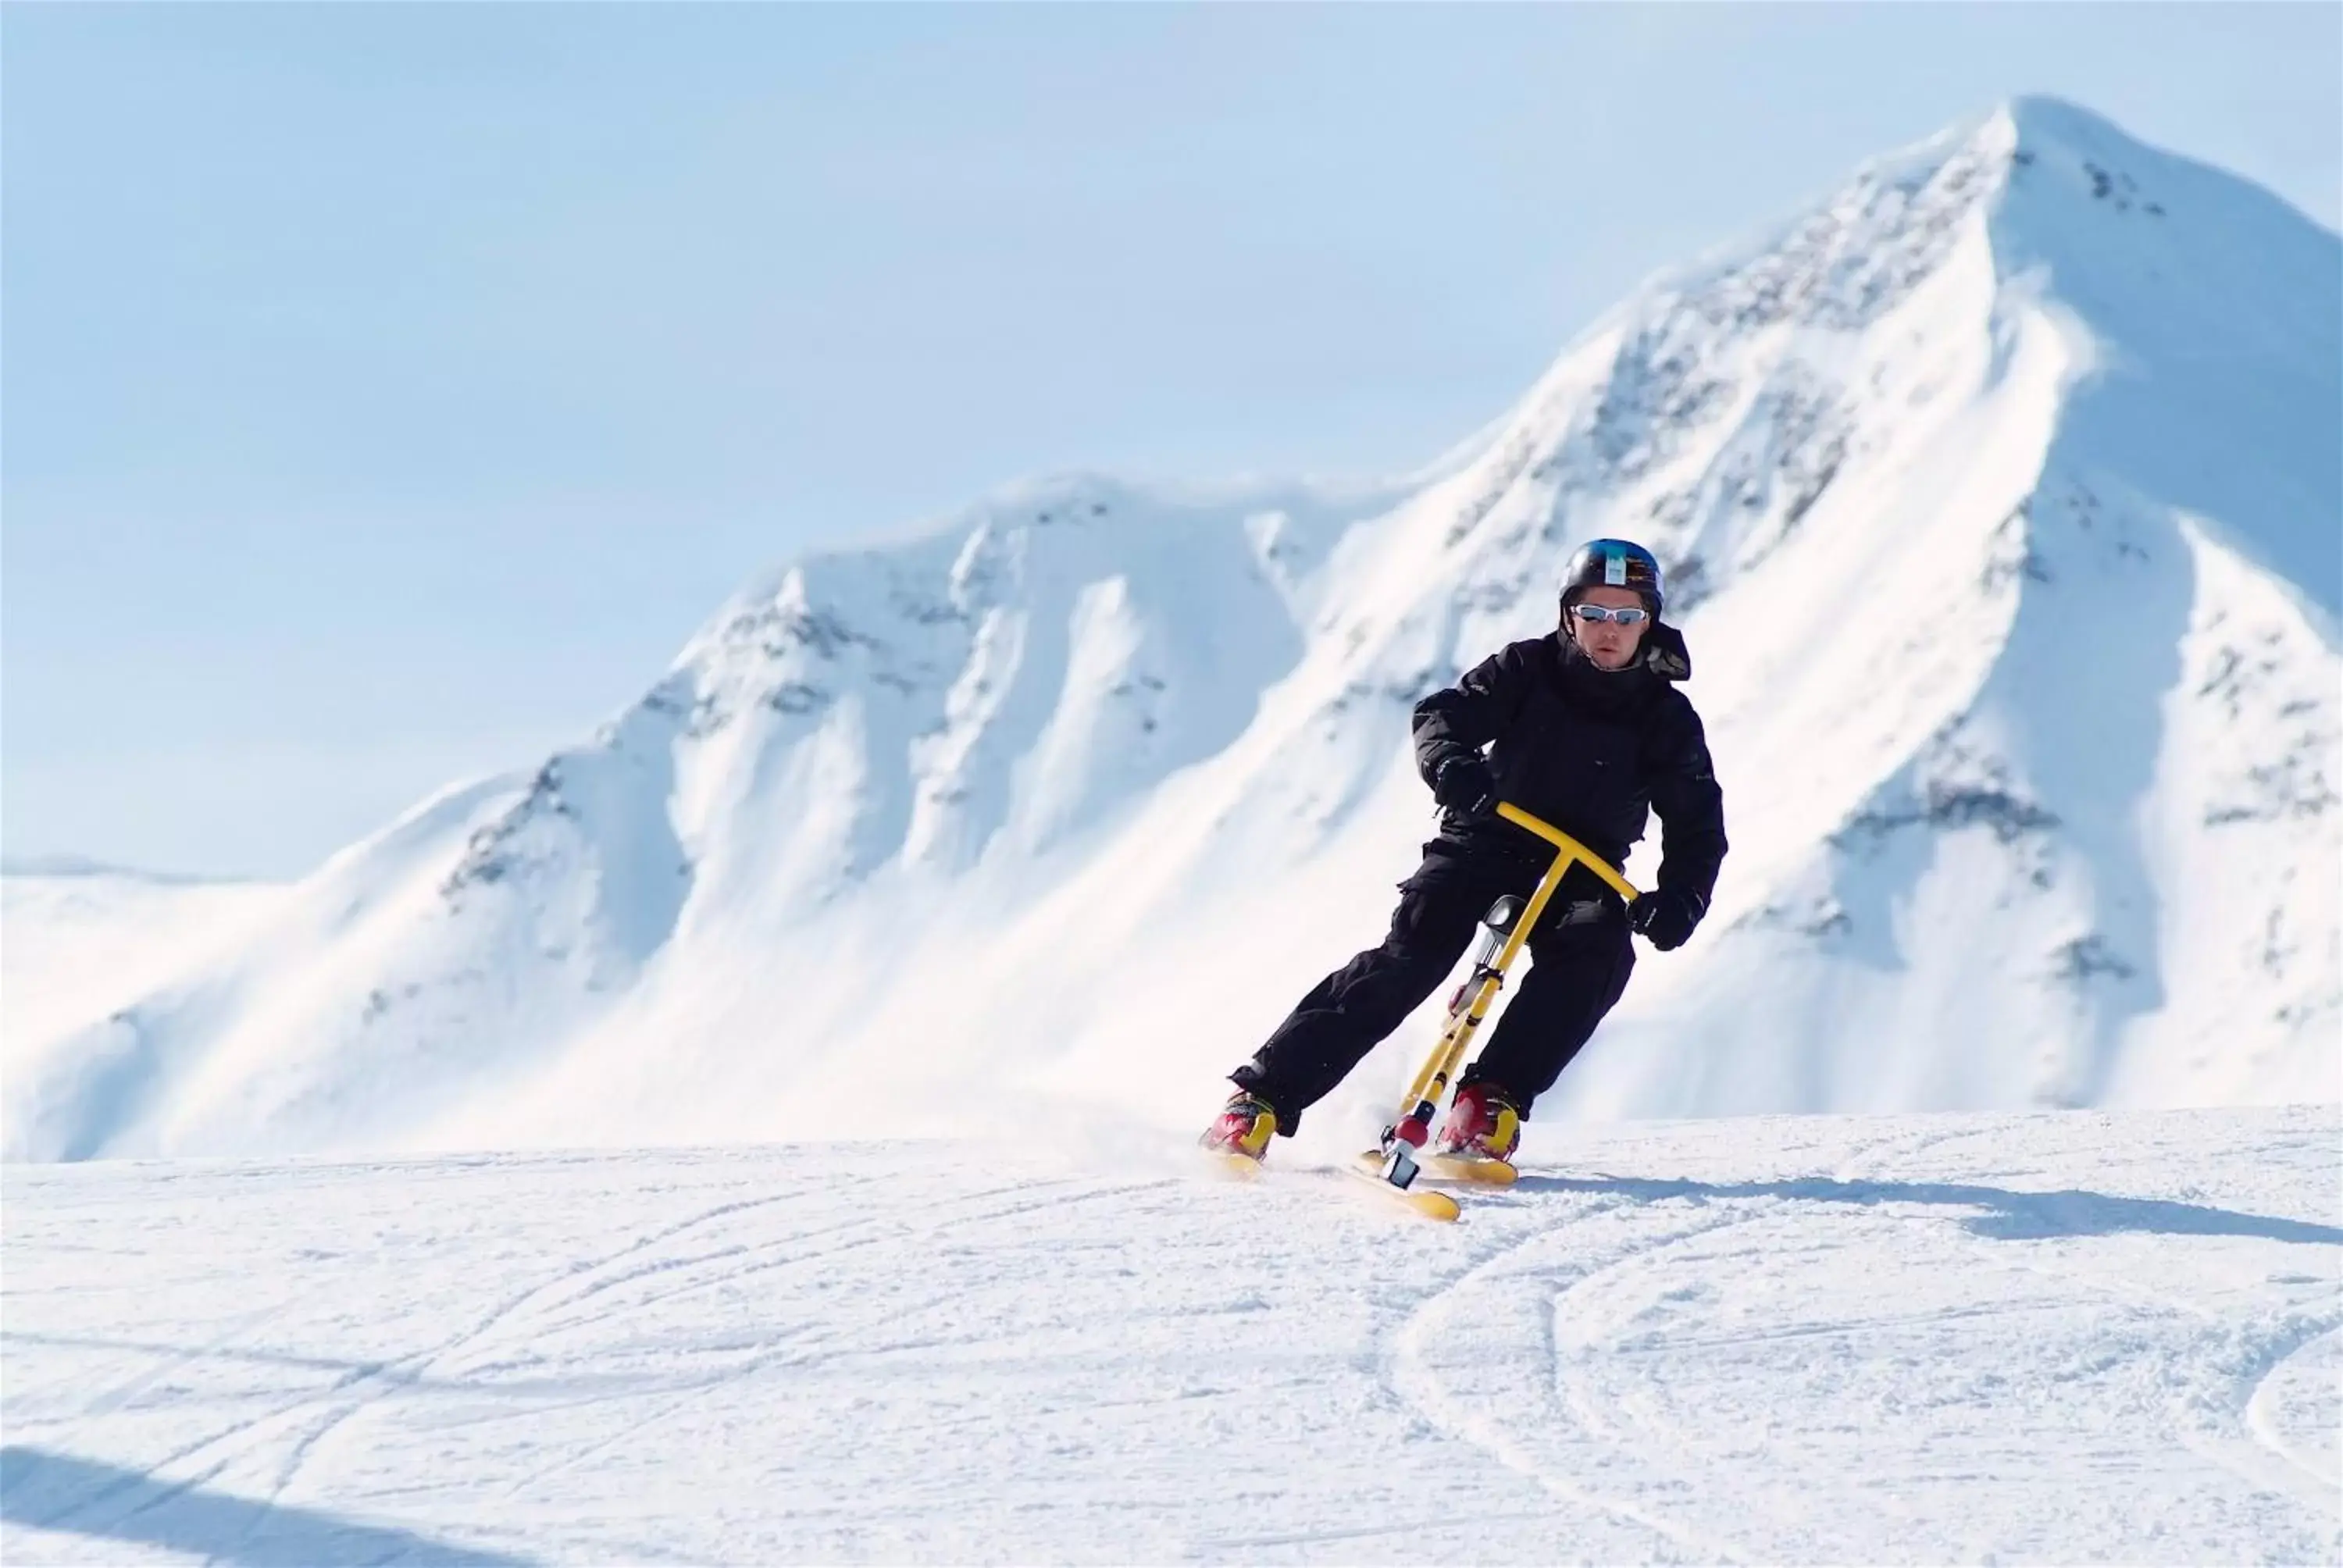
x=1241, y=1137
x=1477, y=1142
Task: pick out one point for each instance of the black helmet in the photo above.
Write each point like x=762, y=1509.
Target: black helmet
x=1615, y=563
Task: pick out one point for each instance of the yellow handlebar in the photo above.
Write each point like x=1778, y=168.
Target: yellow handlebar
x=1568, y=845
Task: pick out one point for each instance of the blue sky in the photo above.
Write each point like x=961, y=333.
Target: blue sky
x=389, y=390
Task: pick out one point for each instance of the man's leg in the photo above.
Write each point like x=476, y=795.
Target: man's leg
x=1350, y=1012
x=1576, y=974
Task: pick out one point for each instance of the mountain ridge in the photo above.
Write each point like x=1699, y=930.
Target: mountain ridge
x=1088, y=729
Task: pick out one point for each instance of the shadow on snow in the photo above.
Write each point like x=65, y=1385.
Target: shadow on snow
x=48, y=1491
x=2013, y=1216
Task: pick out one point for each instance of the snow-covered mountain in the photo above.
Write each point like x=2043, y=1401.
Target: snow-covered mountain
x=81, y=938
x=2002, y=495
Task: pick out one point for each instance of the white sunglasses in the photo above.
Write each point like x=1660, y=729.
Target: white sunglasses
x=1595, y=612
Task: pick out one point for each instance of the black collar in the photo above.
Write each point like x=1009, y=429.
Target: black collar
x=1595, y=690
x=1662, y=654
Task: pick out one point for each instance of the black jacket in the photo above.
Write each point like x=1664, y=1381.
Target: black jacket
x=1587, y=749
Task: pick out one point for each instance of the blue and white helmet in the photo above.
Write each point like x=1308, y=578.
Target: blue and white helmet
x=1616, y=563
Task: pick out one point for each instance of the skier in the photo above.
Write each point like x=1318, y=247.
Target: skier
x=1586, y=728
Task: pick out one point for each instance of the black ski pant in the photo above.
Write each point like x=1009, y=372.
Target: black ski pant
x=1580, y=957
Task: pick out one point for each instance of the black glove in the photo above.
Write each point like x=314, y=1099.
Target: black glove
x=1667, y=915
x=1464, y=785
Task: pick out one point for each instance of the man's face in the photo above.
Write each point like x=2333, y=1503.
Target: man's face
x=1609, y=643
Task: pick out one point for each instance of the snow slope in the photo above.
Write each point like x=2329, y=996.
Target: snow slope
x=2058, y=1337
x=79, y=941
x=2002, y=494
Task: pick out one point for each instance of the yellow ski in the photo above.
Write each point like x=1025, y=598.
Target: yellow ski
x=1478, y=1173
x=1421, y=1200
x=1233, y=1167
x=1431, y=1205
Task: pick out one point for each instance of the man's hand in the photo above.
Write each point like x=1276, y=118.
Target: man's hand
x=1464, y=785
x=1666, y=916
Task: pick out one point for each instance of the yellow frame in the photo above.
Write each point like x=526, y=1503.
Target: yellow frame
x=1432, y=1081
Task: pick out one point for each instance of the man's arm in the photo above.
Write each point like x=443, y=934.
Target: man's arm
x=1691, y=807
x=1464, y=718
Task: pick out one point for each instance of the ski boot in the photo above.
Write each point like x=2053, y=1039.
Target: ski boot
x=1477, y=1142
x=1240, y=1139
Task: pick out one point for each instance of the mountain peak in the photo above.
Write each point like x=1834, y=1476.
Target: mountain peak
x=1993, y=488
x=2044, y=119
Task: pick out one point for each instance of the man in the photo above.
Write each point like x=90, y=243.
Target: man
x=1585, y=729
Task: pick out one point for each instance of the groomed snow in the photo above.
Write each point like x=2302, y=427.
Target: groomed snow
x=2050, y=1337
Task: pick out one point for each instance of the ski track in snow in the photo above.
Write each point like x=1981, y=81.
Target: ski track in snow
x=2061, y=1337
x=1584, y=1406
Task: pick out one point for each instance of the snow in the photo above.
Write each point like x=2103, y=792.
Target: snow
x=2001, y=494
x=2054, y=1336
x=80, y=940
